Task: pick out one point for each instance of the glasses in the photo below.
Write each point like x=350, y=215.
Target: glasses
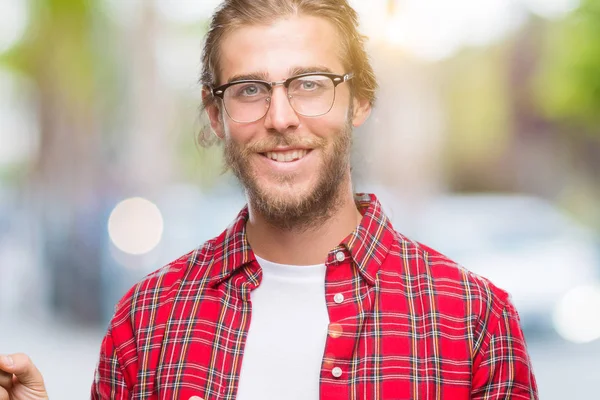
x=310, y=95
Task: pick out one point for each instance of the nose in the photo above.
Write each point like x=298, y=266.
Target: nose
x=281, y=117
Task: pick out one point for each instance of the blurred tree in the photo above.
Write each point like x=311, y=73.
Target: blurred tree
x=65, y=57
x=479, y=119
x=523, y=115
x=567, y=92
x=568, y=85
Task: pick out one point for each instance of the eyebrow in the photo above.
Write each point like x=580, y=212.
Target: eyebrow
x=263, y=76
x=307, y=70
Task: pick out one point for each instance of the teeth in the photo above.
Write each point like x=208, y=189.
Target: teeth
x=286, y=156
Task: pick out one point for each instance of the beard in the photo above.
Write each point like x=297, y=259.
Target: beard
x=287, y=209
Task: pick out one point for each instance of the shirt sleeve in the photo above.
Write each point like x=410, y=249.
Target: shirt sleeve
x=109, y=379
x=502, y=369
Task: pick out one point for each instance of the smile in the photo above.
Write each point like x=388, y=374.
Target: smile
x=286, y=156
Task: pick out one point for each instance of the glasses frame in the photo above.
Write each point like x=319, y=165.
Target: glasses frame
x=336, y=79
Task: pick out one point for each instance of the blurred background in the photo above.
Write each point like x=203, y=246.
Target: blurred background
x=484, y=144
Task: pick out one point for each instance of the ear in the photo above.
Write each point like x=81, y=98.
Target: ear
x=214, y=113
x=362, y=110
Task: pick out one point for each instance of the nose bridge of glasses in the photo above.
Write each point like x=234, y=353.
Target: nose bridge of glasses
x=283, y=82
x=273, y=85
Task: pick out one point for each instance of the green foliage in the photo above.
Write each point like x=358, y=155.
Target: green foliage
x=568, y=84
x=57, y=51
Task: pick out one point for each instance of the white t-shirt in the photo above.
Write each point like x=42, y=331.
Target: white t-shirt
x=286, y=340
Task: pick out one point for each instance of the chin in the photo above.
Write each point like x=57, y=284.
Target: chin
x=287, y=193
x=296, y=206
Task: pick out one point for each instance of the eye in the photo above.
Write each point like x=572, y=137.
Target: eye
x=248, y=90
x=308, y=85
x=312, y=84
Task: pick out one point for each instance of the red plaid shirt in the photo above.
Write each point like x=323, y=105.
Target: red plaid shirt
x=405, y=323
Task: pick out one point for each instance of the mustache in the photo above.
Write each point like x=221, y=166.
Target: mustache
x=267, y=144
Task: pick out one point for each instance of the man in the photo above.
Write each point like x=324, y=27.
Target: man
x=310, y=293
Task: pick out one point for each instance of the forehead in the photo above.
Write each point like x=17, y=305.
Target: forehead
x=274, y=50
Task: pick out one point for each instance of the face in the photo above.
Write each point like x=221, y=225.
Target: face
x=292, y=167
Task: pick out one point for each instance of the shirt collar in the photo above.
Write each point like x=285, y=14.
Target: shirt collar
x=368, y=244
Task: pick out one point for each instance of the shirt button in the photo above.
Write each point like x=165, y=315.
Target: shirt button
x=338, y=298
x=340, y=256
x=336, y=372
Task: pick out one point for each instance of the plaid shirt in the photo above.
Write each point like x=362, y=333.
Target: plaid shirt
x=405, y=323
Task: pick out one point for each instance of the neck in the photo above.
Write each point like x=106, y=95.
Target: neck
x=303, y=246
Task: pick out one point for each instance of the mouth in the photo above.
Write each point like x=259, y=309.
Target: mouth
x=286, y=156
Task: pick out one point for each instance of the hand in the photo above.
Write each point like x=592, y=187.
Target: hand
x=20, y=379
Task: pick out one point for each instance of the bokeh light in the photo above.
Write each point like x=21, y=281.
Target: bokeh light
x=577, y=316
x=135, y=226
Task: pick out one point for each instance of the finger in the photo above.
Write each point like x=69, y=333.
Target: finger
x=5, y=379
x=22, y=366
x=4, y=363
x=3, y=394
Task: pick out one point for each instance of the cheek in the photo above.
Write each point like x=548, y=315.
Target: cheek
x=238, y=132
x=330, y=124
x=340, y=113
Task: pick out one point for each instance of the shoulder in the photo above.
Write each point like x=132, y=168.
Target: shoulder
x=422, y=260
x=460, y=277
x=159, y=288
x=453, y=287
